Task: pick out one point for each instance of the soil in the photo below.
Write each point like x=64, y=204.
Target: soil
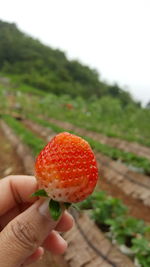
x=44, y=133
x=88, y=246
x=50, y=260
x=10, y=163
x=136, y=207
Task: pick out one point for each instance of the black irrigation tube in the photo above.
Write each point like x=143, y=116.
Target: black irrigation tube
x=96, y=250
x=126, y=176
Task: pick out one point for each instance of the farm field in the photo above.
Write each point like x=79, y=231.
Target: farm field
x=58, y=260
x=43, y=93
x=120, y=211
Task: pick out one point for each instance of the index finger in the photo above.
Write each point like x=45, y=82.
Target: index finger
x=15, y=190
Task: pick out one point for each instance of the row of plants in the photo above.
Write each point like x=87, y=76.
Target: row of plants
x=109, y=213
x=131, y=235
x=104, y=115
x=116, y=154
x=34, y=143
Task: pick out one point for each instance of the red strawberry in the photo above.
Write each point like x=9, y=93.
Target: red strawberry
x=66, y=168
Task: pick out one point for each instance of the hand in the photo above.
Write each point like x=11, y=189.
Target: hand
x=26, y=224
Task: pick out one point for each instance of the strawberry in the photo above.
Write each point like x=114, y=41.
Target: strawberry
x=66, y=169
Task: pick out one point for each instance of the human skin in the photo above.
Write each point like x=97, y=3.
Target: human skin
x=25, y=223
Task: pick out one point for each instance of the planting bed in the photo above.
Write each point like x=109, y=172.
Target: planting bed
x=134, y=162
x=114, y=142
x=88, y=247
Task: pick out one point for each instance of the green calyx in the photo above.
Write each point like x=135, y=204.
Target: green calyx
x=40, y=193
x=55, y=207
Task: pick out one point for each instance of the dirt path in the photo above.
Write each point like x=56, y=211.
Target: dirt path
x=136, y=207
x=135, y=191
x=10, y=163
x=22, y=150
x=114, y=142
x=45, y=133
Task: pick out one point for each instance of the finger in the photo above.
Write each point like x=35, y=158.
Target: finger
x=7, y=217
x=11, y=214
x=35, y=256
x=65, y=223
x=23, y=235
x=15, y=190
x=55, y=243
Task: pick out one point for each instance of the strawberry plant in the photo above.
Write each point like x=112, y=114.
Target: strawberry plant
x=103, y=208
x=109, y=208
x=141, y=248
x=94, y=198
x=125, y=228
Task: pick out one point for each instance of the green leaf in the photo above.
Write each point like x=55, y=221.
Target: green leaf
x=40, y=193
x=55, y=209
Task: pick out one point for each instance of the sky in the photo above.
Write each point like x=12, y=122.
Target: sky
x=112, y=36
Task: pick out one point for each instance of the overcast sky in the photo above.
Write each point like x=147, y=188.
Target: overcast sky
x=112, y=36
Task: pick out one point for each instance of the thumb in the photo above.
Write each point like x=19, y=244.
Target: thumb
x=24, y=234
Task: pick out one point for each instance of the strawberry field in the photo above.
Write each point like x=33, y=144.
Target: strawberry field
x=113, y=229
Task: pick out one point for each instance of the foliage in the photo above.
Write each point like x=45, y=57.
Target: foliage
x=3, y=102
x=125, y=228
x=104, y=115
x=49, y=69
x=34, y=105
x=141, y=248
x=148, y=105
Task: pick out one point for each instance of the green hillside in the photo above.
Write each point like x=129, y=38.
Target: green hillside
x=49, y=69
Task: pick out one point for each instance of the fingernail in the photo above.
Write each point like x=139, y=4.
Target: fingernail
x=44, y=209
